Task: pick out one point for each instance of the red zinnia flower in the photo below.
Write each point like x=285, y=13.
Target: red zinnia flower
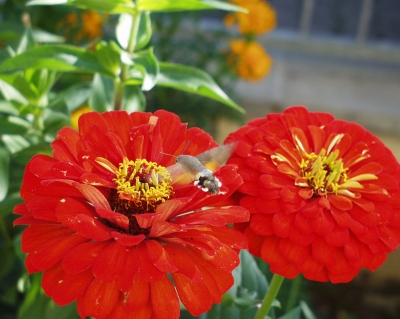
x=106, y=225
x=323, y=194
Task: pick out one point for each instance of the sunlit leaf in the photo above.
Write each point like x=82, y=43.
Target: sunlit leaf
x=4, y=172
x=183, y=5
x=193, y=80
x=15, y=143
x=11, y=94
x=109, y=6
x=147, y=63
x=64, y=58
x=124, y=28
x=109, y=56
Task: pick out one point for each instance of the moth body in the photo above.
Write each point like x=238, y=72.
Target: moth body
x=201, y=168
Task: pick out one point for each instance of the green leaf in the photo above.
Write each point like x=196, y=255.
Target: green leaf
x=193, y=80
x=23, y=156
x=183, y=5
x=4, y=172
x=15, y=143
x=27, y=41
x=76, y=96
x=101, y=97
x=109, y=56
x=11, y=94
x=54, y=121
x=63, y=58
x=7, y=205
x=7, y=107
x=109, y=6
x=134, y=99
x=308, y=314
x=124, y=27
x=13, y=125
x=295, y=313
x=147, y=64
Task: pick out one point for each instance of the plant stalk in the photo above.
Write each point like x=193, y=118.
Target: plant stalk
x=270, y=296
x=119, y=84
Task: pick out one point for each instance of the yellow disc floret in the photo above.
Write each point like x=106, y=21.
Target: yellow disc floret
x=142, y=183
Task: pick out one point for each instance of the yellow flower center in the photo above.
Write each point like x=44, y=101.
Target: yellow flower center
x=141, y=186
x=324, y=174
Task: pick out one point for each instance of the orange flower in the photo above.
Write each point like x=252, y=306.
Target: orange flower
x=87, y=28
x=260, y=18
x=250, y=60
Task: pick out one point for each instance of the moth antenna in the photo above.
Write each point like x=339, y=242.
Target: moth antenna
x=184, y=149
x=167, y=154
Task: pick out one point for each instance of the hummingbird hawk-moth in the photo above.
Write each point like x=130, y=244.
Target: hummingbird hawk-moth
x=201, y=168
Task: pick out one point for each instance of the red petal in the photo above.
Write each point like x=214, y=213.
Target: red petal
x=270, y=252
x=67, y=145
x=266, y=206
x=50, y=255
x=81, y=257
x=338, y=236
x=281, y=224
x=230, y=237
x=71, y=287
x=146, y=268
x=100, y=298
x=255, y=241
x=138, y=295
x=125, y=278
x=341, y=270
x=262, y=224
x=91, y=228
x=323, y=252
x=217, y=280
x=110, y=262
x=340, y=202
x=164, y=299
x=184, y=263
x=195, y=297
x=293, y=253
x=300, y=239
x=114, y=218
x=312, y=268
x=128, y=240
x=323, y=224
x=159, y=257
x=41, y=236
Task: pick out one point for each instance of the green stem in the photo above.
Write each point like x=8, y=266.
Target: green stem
x=294, y=293
x=119, y=84
x=270, y=296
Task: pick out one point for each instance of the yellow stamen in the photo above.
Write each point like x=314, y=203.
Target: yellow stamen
x=144, y=184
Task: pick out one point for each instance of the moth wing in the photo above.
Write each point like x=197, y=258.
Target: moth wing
x=178, y=175
x=216, y=157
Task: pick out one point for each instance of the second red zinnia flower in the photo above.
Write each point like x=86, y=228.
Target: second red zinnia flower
x=323, y=194
x=107, y=226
